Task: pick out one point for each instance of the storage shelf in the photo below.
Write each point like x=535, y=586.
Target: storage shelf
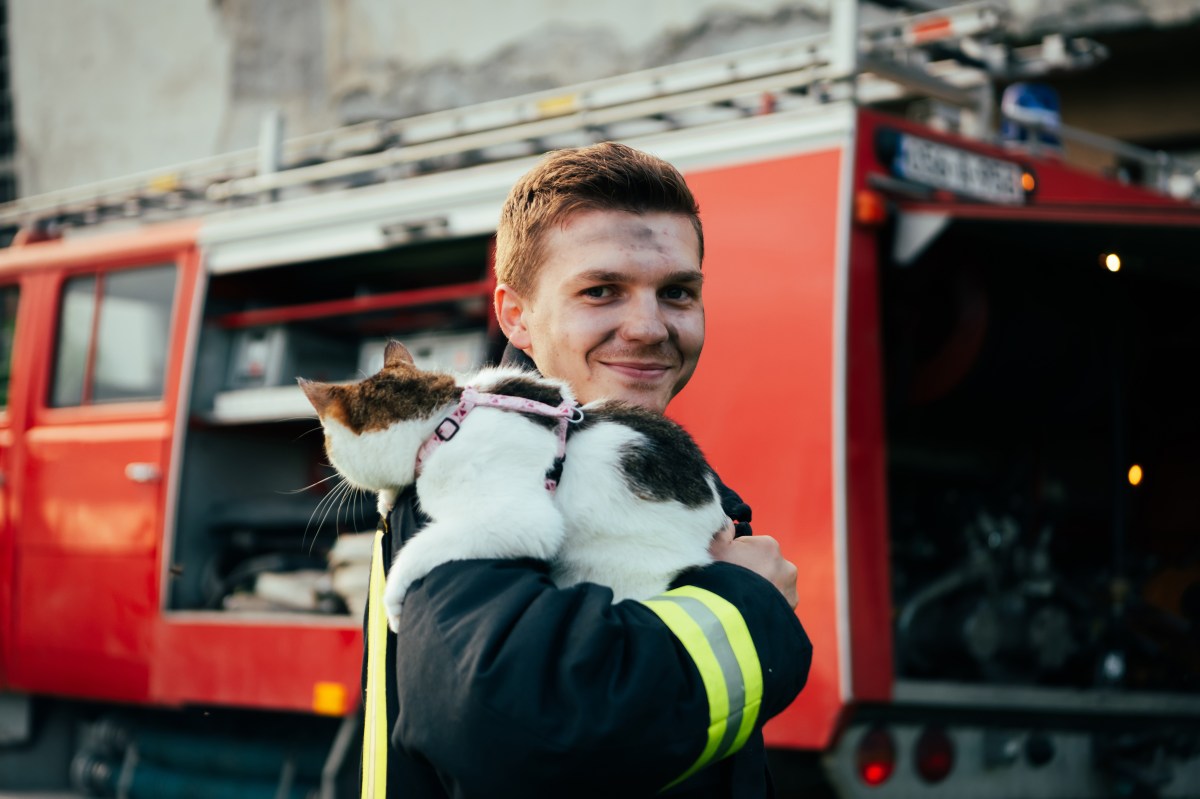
x=272, y=404
x=454, y=352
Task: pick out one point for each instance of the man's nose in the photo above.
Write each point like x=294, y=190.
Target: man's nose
x=643, y=320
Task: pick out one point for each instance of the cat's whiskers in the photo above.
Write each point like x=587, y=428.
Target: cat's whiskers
x=311, y=485
x=306, y=432
x=348, y=491
x=308, y=526
x=334, y=502
x=327, y=501
x=358, y=499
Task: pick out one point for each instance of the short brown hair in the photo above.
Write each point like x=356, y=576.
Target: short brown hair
x=606, y=177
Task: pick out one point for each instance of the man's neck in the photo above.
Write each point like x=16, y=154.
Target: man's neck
x=515, y=357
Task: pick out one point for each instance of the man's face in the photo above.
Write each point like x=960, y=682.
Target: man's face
x=616, y=310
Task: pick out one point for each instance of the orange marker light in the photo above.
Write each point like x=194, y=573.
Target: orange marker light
x=329, y=699
x=929, y=30
x=1135, y=474
x=869, y=207
x=1028, y=183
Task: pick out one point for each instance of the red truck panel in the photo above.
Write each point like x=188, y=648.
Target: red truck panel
x=283, y=664
x=761, y=403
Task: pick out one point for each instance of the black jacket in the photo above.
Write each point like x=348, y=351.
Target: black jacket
x=508, y=686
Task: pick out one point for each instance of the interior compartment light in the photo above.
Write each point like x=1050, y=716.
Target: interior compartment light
x=876, y=756
x=1111, y=261
x=1135, y=474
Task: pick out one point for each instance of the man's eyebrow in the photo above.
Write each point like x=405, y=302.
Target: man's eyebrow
x=691, y=276
x=685, y=276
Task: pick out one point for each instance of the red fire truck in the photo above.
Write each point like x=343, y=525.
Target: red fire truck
x=980, y=451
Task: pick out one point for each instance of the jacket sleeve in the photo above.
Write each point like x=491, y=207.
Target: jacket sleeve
x=508, y=685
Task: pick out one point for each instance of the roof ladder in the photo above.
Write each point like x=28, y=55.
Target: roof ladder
x=897, y=53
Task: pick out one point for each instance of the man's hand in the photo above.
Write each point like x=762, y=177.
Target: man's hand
x=761, y=555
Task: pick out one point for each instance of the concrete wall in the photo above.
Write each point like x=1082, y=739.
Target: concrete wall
x=104, y=88
x=99, y=91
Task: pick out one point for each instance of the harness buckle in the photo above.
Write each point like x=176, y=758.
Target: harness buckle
x=446, y=436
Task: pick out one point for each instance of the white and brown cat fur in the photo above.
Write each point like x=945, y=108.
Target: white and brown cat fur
x=636, y=503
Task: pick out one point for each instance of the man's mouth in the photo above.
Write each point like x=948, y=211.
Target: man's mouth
x=638, y=370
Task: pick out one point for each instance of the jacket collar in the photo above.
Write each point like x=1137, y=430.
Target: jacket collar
x=514, y=357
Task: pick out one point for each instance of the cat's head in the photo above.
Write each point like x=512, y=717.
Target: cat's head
x=374, y=428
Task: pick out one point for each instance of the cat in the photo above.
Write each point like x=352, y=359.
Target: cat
x=636, y=503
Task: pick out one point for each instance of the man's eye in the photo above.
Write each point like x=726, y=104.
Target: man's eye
x=598, y=292
x=678, y=293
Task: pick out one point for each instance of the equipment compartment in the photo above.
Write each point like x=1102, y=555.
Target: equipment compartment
x=1043, y=457
x=261, y=509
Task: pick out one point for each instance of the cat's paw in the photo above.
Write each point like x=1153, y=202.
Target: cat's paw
x=393, y=599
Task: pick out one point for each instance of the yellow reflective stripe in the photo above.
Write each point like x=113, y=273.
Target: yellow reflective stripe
x=743, y=648
x=375, y=733
x=716, y=638
x=696, y=643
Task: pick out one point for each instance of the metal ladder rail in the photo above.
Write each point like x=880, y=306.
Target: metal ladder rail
x=646, y=92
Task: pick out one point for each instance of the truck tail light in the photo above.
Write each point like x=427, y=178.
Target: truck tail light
x=934, y=754
x=876, y=757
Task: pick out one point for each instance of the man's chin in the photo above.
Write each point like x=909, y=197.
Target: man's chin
x=651, y=396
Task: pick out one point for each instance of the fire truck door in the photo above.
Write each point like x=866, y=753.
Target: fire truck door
x=9, y=295
x=97, y=453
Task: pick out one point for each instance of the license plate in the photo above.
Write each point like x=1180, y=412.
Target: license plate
x=959, y=171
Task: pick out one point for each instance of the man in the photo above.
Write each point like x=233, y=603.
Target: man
x=508, y=686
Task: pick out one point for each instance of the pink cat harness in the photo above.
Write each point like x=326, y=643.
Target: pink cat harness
x=567, y=412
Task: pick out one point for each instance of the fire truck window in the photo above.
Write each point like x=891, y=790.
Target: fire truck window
x=128, y=355
x=74, y=332
x=132, y=334
x=8, y=322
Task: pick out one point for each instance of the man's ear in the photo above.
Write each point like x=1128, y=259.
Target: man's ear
x=511, y=308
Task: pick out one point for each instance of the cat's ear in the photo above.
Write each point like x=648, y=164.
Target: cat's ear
x=395, y=354
x=319, y=394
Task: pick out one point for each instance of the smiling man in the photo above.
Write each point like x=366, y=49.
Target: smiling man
x=506, y=685
x=616, y=309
